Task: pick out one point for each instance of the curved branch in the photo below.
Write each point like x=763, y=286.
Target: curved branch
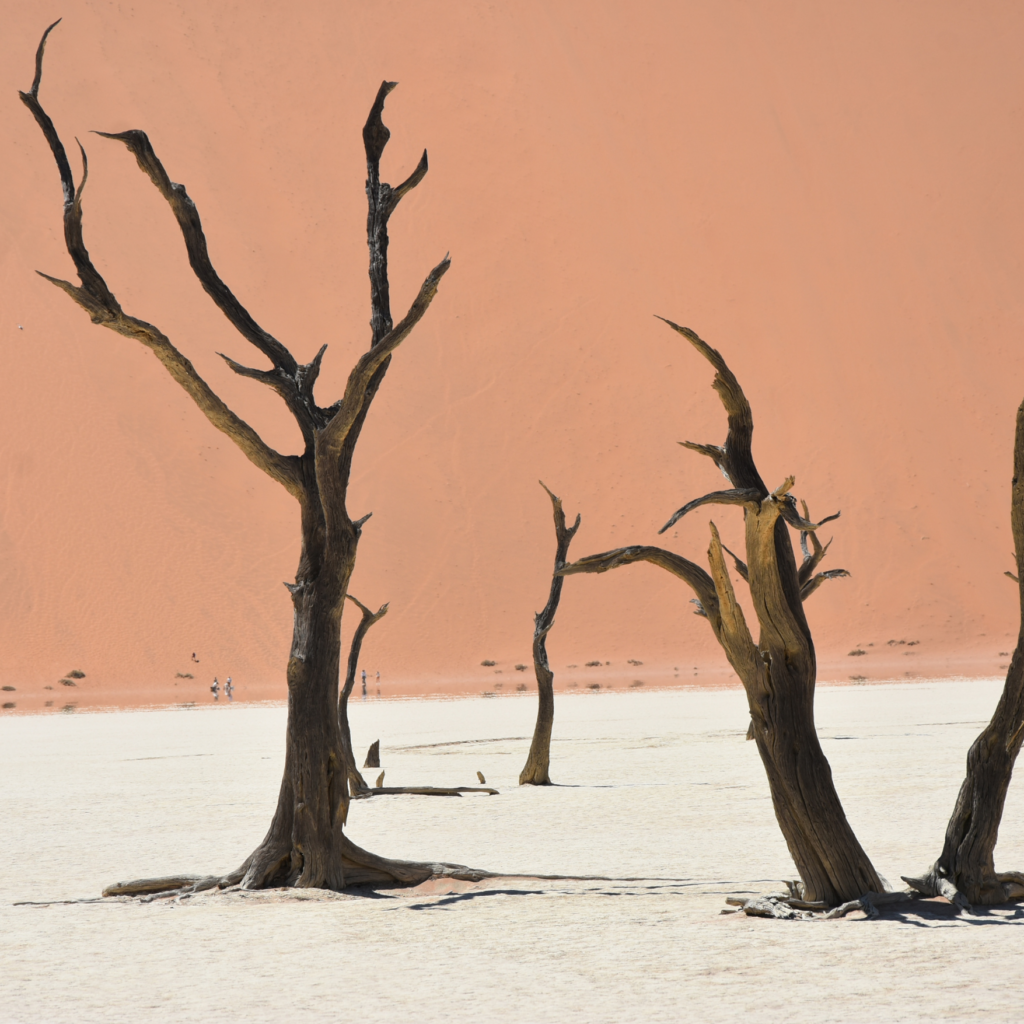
x=187, y=216
x=691, y=573
x=331, y=438
x=814, y=582
x=103, y=308
x=285, y=377
x=787, y=509
x=355, y=779
x=715, y=452
x=813, y=555
x=738, y=462
x=738, y=496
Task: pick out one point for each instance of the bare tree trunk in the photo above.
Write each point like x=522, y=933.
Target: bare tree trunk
x=965, y=871
x=535, y=772
x=779, y=671
x=356, y=782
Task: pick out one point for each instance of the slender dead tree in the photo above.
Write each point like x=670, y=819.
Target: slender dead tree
x=778, y=672
x=535, y=772
x=305, y=845
x=356, y=782
x=965, y=871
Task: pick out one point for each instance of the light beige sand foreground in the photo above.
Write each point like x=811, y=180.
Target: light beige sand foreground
x=656, y=784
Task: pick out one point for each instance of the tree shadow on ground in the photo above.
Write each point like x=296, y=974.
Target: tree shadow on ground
x=939, y=913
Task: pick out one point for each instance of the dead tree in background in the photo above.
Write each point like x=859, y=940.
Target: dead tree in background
x=356, y=782
x=305, y=845
x=965, y=871
x=535, y=773
x=778, y=672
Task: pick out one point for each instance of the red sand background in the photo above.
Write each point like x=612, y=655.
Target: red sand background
x=831, y=193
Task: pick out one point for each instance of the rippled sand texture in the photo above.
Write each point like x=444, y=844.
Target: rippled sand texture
x=829, y=192
x=657, y=785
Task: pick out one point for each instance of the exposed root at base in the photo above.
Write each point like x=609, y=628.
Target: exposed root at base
x=791, y=907
x=360, y=866
x=1004, y=887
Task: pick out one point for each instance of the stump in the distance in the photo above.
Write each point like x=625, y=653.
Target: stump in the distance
x=536, y=770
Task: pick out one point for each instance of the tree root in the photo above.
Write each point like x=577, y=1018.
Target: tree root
x=934, y=884
x=790, y=907
x=360, y=866
x=1002, y=887
x=869, y=903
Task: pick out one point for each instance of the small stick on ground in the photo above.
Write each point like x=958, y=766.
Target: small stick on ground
x=535, y=773
x=423, y=791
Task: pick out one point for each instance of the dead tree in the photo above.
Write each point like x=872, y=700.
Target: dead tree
x=535, y=773
x=965, y=871
x=778, y=672
x=305, y=845
x=356, y=782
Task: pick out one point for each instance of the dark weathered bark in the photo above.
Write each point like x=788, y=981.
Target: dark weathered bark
x=965, y=872
x=778, y=672
x=304, y=845
x=356, y=782
x=535, y=772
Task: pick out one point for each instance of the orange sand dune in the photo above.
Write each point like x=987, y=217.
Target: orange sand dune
x=829, y=193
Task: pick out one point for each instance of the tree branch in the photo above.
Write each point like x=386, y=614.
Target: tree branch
x=738, y=496
x=355, y=779
x=288, y=376
x=814, y=582
x=691, y=573
x=333, y=436
x=187, y=216
x=741, y=566
x=735, y=459
x=382, y=200
x=103, y=308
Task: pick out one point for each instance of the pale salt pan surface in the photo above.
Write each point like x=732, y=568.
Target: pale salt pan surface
x=655, y=784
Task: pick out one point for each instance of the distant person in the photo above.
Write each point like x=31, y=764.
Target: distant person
x=229, y=689
x=378, y=682
x=364, y=684
x=215, y=689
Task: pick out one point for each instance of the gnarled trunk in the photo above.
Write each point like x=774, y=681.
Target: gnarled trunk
x=303, y=845
x=965, y=870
